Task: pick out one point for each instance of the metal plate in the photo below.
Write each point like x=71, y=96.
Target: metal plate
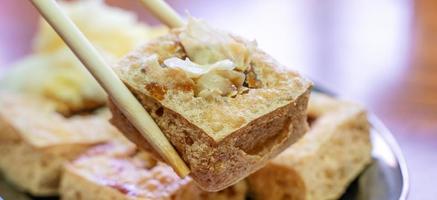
x=385, y=179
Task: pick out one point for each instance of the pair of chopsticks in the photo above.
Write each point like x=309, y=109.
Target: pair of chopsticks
x=117, y=91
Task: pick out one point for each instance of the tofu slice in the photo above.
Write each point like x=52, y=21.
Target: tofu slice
x=36, y=141
x=325, y=161
x=226, y=106
x=133, y=174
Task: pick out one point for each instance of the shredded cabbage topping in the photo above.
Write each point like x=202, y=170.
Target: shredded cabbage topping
x=195, y=70
x=216, y=61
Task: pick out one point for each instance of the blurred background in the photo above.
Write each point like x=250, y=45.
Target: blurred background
x=381, y=53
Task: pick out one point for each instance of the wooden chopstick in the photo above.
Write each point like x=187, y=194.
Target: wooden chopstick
x=117, y=91
x=164, y=13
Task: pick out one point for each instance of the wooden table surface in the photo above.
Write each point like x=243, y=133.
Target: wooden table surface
x=382, y=53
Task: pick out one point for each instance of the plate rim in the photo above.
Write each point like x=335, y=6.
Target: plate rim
x=388, y=137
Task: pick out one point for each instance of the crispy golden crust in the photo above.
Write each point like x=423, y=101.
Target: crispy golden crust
x=210, y=162
x=323, y=163
x=223, y=140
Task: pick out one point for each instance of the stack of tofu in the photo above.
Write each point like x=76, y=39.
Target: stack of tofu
x=55, y=138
